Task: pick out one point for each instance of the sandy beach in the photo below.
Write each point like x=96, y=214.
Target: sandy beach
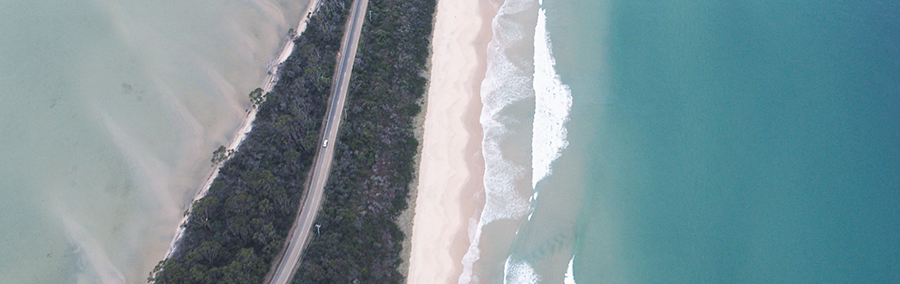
x=451, y=170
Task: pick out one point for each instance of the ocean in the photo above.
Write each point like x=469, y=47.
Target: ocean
x=110, y=113
x=691, y=142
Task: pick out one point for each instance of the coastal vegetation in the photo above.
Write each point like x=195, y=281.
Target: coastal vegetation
x=234, y=233
x=257, y=97
x=220, y=155
x=359, y=240
x=236, y=230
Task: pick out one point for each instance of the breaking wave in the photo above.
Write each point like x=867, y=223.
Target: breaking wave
x=509, y=80
x=570, y=272
x=553, y=100
x=519, y=272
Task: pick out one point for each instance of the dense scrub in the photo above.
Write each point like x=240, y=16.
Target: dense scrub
x=233, y=234
x=368, y=185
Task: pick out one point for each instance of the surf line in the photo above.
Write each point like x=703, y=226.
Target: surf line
x=553, y=101
x=247, y=123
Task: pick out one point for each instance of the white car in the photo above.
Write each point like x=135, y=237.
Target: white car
x=325, y=145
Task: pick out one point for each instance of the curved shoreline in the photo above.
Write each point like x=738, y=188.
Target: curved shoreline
x=246, y=124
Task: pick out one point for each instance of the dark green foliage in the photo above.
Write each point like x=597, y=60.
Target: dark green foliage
x=235, y=231
x=373, y=166
x=233, y=234
x=256, y=97
x=220, y=155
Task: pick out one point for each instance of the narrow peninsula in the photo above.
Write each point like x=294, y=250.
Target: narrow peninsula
x=238, y=229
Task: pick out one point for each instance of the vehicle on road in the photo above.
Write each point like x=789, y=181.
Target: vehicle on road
x=325, y=145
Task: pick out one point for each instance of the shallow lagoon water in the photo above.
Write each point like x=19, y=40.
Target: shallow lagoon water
x=110, y=113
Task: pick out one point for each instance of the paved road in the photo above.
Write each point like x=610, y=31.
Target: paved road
x=303, y=226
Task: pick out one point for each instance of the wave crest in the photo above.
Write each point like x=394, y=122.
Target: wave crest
x=553, y=100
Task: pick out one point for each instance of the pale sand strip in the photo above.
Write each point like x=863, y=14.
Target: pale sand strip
x=450, y=190
x=247, y=123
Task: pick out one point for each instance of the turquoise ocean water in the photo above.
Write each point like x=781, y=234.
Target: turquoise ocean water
x=110, y=111
x=706, y=142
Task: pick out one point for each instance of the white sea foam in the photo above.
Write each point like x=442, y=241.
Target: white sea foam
x=553, y=100
x=505, y=83
x=519, y=272
x=570, y=273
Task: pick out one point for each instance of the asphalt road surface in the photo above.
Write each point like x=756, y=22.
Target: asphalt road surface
x=303, y=225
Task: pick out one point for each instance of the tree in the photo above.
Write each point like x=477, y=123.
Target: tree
x=210, y=251
x=220, y=155
x=203, y=211
x=256, y=97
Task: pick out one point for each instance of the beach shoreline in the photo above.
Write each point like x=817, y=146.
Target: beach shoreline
x=247, y=122
x=449, y=195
